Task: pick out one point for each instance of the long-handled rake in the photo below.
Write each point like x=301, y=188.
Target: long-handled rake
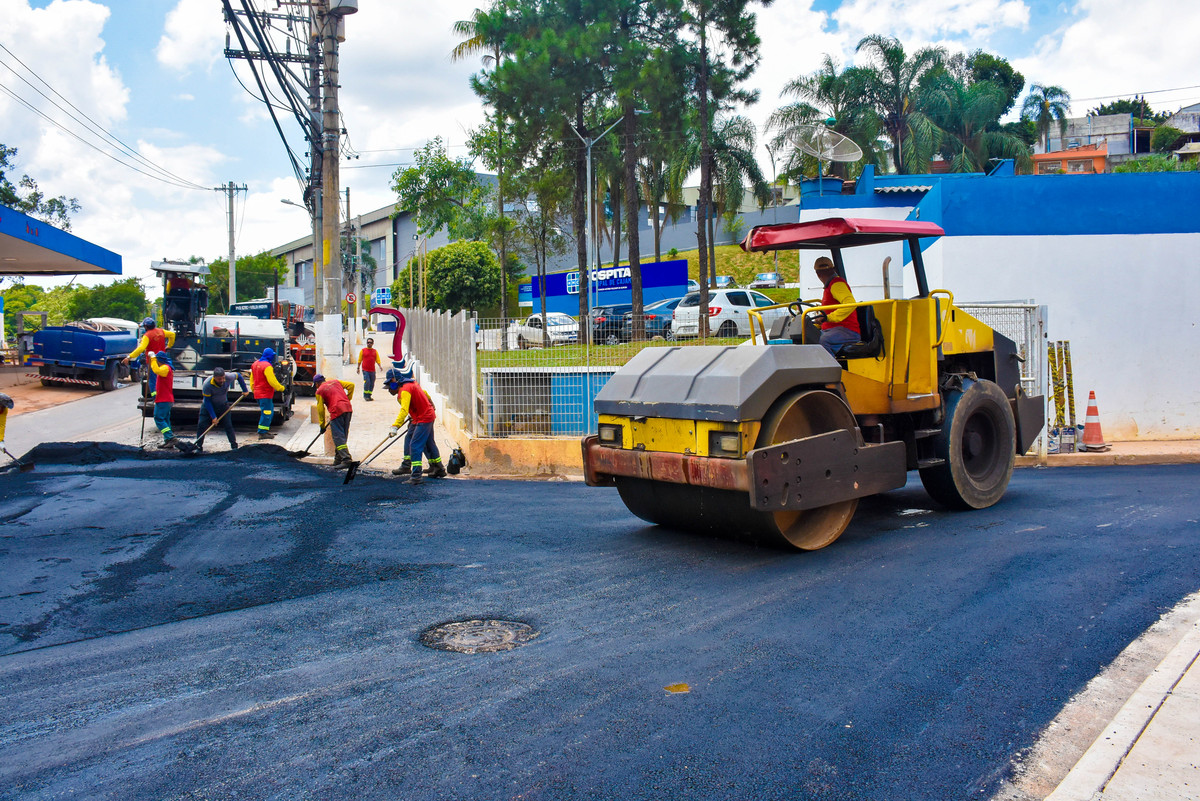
x=25, y=466
x=194, y=446
x=388, y=442
x=303, y=453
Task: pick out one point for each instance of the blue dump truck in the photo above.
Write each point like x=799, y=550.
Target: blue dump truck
x=82, y=353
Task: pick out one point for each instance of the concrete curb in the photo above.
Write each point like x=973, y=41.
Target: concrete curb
x=1127, y=746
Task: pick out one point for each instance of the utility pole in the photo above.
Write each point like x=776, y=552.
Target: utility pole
x=314, y=195
x=332, y=28
x=230, y=190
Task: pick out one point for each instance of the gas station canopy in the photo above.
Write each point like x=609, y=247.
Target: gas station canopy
x=33, y=247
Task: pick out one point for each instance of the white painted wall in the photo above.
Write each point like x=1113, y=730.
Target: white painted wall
x=1129, y=305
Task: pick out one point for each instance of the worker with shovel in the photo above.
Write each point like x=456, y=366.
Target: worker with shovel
x=415, y=401
x=335, y=395
x=164, y=399
x=216, y=407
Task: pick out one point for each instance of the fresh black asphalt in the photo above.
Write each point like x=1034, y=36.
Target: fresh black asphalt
x=248, y=627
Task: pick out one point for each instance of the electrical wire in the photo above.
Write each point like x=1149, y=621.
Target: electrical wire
x=93, y=126
x=71, y=133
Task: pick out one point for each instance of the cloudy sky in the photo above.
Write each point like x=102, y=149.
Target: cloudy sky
x=152, y=75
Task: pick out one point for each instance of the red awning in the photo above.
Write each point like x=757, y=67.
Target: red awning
x=835, y=232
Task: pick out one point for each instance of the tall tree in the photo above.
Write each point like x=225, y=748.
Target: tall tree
x=721, y=67
x=828, y=92
x=474, y=42
x=967, y=116
x=255, y=274
x=1047, y=105
x=893, y=85
x=124, y=299
x=987, y=67
x=27, y=198
x=438, y=191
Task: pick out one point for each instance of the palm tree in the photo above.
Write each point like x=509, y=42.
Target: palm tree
x=967, y=116
x=474, y=42
x=1046, y=105
x=893, y=82
x=734, y=165
x=826, y=93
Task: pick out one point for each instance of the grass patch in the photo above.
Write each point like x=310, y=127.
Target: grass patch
x=573, y=356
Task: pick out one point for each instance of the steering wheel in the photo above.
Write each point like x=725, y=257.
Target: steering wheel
x=797, y=306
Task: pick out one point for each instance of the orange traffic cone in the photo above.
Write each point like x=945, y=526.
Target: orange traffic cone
x=1093, y=437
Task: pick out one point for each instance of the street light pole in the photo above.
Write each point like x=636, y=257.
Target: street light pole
x=593, y=252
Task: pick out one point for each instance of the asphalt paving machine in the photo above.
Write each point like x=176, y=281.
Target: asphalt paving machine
x=776, y=440
x=204, y=341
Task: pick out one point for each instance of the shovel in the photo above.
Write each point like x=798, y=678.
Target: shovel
x=25, y=466
x=303, y=453
x=191, y=447
x=352, y=470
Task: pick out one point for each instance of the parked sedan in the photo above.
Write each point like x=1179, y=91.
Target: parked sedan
x=767, y=281
x=659, y=317
x=728, y=313
x=725, y=282
x=561, y=329
x=606, y=322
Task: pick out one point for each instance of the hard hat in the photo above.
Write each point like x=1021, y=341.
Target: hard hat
x=318, y=379
x=148, y=322
x=6, y=401
x=268, y=355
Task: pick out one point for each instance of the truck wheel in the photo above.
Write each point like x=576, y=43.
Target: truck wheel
x=978, y=443
x=108, y=380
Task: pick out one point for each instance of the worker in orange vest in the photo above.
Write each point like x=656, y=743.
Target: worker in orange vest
x=264, y=384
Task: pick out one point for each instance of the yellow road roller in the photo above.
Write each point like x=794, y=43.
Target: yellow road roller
x=777, y=439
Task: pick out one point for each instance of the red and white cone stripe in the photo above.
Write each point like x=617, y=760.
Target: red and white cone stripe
x=1093, y=437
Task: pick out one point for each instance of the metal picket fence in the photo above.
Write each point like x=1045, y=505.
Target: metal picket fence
x=518, y=378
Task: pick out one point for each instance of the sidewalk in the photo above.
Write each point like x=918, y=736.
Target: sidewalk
x=1151, y=749
x=370, y=424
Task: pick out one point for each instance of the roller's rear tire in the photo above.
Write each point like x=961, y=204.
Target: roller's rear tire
x=978, y=442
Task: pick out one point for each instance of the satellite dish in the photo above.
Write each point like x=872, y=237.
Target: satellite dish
x=825, y=145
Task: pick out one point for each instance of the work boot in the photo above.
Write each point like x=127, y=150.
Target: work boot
x=168, y=444
x=416, y=478
x=402, y=471
x=437, y=471
x=233, y=446
x=265, y=435
x=342, y=457
x=368, y=397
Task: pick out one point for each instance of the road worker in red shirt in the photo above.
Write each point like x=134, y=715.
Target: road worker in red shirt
x=155, y=340
x=368, y=360
x=415, y=401
x=264, y=384
x=335, y=395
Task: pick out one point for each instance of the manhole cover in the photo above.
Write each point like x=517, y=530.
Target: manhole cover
x=478, y=636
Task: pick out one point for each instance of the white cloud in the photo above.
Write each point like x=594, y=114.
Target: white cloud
x=193, y=34
x=920, y=22
x=1113, y=50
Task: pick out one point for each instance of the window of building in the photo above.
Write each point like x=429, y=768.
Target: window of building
x=1049, y=167
x=1081, y=165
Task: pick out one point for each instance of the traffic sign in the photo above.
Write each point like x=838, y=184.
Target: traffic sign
x=350, y=297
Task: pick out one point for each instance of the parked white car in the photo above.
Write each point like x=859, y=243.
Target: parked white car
x=561, y=329
x=728, y=313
